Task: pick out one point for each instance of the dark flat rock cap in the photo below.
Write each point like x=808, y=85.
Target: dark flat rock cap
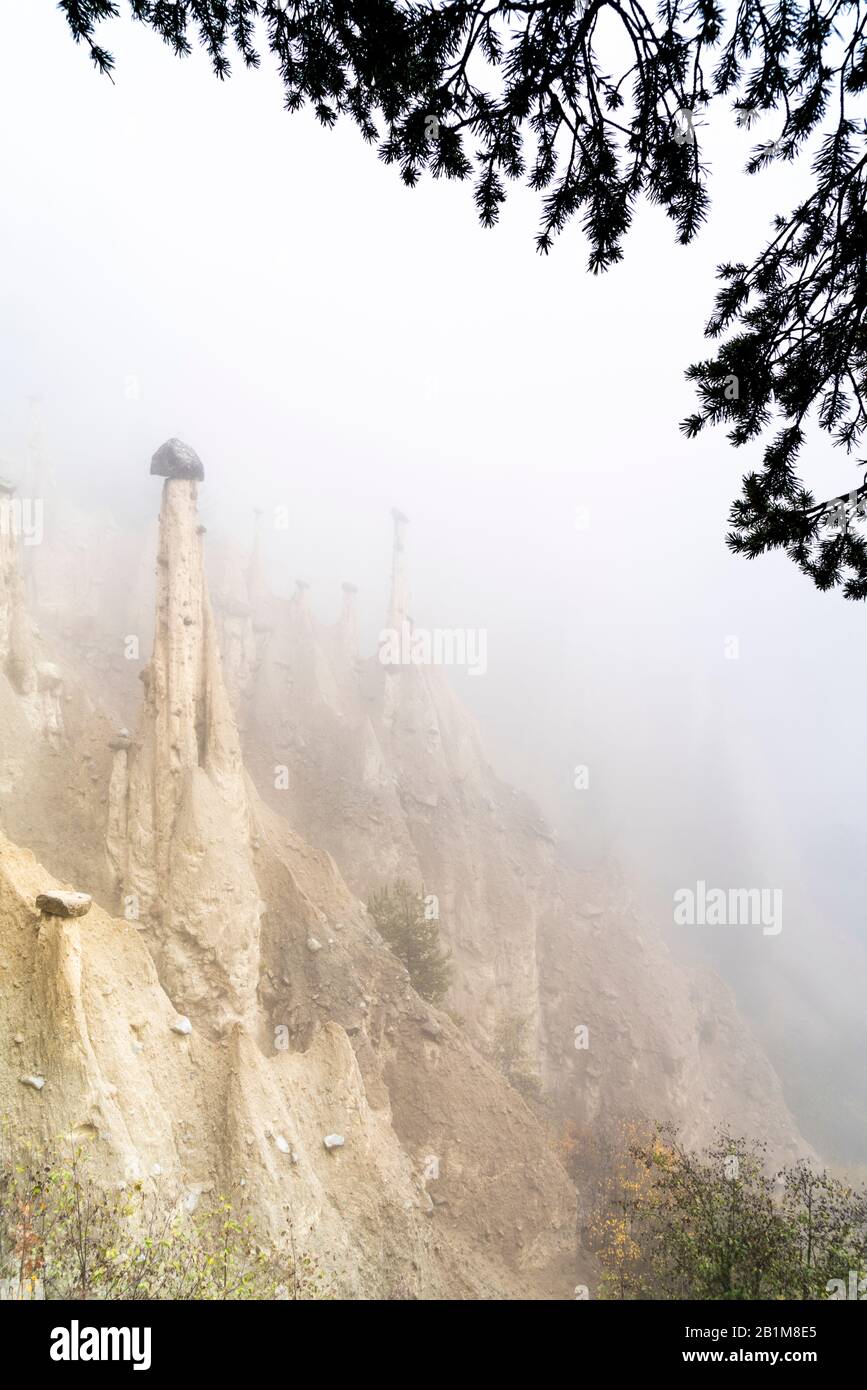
x=175, y=459
x=64, y=904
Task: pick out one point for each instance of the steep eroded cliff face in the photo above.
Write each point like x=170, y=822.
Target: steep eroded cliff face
x=443, y=1186
x=261, y=734
x=245, y=1008
x=179, y=834
x=378, y=761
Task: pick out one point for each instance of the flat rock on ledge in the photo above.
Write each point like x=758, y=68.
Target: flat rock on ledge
x=175, y=459
x=64, y=904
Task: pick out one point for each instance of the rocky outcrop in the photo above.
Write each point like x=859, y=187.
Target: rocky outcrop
x=179, y=832
x=64, y=904
x=263, y=951
x=442, y=1187
x=174, y=459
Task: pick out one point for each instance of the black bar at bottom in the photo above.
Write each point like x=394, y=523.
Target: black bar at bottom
x=159, y=1339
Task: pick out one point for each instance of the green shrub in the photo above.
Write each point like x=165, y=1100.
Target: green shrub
x=511, y=1054
x=76, y=1239
x=399, y=916
x=718, y=1225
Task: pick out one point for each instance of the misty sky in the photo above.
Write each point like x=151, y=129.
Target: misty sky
x=180, y=257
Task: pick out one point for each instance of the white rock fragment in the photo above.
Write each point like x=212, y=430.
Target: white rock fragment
x=156, y=1171
x=283, y=1144
x=182, y=1025
x=313, y=944
x=37, y=1082
x=50, y=676
x=334, y=1141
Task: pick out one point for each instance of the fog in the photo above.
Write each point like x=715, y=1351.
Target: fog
x=180, y=257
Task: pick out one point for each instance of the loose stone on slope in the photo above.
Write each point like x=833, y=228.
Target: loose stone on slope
x=64, y=904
